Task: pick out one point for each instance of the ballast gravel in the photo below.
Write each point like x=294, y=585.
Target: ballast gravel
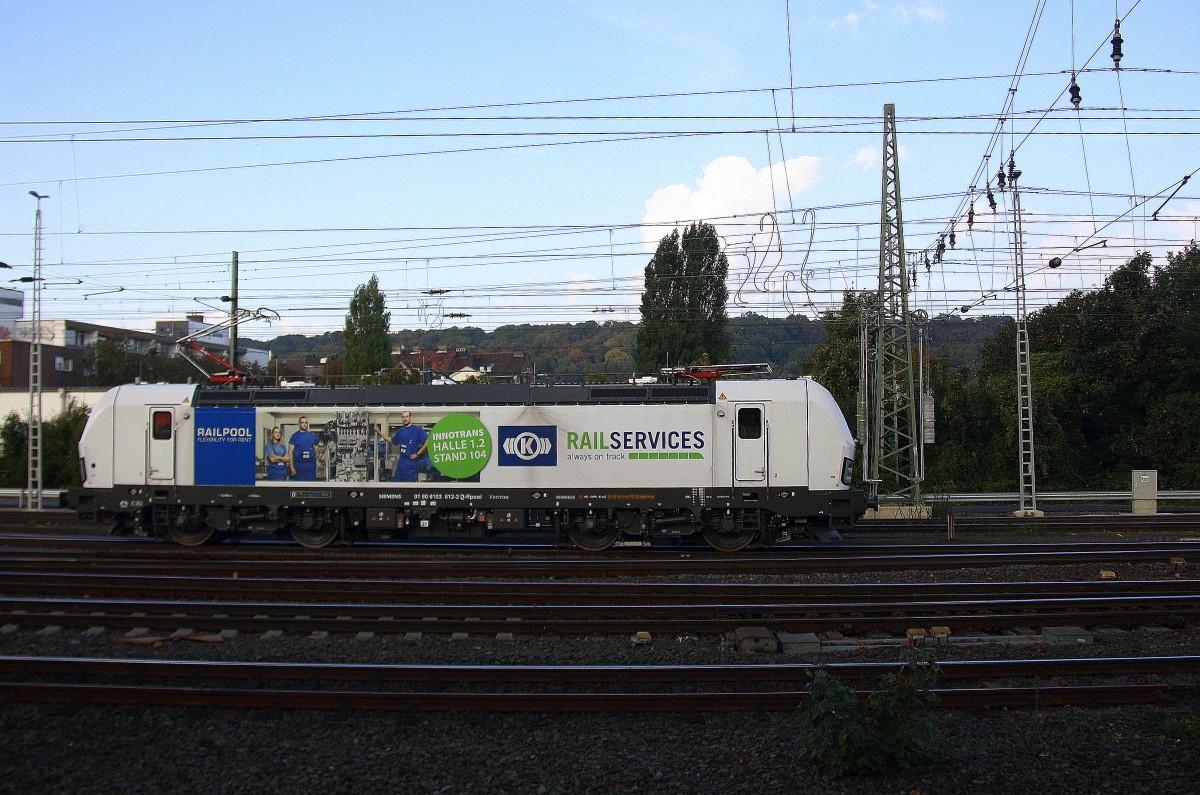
x=104, y=749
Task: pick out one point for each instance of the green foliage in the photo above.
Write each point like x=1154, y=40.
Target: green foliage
x=1121, y=369
x=400, y=375
x=835, y=362
x=368, y=347
x=1116, y=386
x=683, y=302
x=14, y=462
x=608, y=347
x=845, y=733
x=111, y=363
x=1183, y=728
x=60, y=449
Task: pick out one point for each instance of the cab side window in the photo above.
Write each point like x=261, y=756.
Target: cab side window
x=749, y=423
x=160, y=424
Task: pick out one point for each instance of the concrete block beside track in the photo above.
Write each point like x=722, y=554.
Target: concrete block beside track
x=756, y=639
x=799, y=642
x=1066, y=636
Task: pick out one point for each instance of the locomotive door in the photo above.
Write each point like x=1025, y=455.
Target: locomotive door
x=160, y=449
x=750, y=444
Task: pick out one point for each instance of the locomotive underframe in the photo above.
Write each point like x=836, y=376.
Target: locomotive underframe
x=728, y=519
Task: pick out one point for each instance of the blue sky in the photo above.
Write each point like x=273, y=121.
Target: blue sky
x=523, y=157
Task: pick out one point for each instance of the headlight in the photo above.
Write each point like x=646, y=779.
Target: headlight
x=847, y=470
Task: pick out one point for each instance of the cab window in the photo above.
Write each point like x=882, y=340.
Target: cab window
x=161, y=422
x=749, y=422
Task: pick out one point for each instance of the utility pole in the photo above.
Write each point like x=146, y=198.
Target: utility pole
x=34, y=502
x=1024, y=372
x=893, y=462
x=233, y=313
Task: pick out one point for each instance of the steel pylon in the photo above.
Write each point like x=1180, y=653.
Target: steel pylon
x=893, y=435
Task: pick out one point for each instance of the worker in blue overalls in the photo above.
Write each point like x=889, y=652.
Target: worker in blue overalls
x=302, y=449
x=277, y=456
x=410, y=441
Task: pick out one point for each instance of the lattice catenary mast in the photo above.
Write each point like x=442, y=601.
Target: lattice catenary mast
x=1024, y=374
x=892, y=433
x=34, y=485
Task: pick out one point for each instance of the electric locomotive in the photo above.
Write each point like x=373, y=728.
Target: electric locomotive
x=733, y=462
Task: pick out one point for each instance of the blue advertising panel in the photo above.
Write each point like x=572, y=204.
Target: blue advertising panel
x=528, y=445
x=225, y=446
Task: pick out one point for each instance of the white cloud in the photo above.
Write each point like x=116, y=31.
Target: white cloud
x=730, y=185
x=851, y=20
x=1178, y=224
x=889, y=13
x=870, y=158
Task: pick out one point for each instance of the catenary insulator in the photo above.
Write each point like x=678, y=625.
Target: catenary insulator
x=1013, y=171
x=953, y=237
x=991, y=197
x=1117, y=41
x=1000, y=178
x=1076, y=94
x=971, y=216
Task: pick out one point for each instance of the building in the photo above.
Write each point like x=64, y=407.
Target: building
x=459, y=365
x=66, y=348
x=65, y=354
x=216, y=340
x=12, y=306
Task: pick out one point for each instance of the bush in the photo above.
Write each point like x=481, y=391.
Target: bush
x=888, y=727
x=60, y=449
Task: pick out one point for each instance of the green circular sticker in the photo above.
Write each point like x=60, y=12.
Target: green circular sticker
x=459, y=446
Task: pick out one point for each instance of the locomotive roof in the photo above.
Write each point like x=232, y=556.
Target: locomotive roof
x=465, y=394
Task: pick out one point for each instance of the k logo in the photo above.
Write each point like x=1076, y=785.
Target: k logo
x=528, y=445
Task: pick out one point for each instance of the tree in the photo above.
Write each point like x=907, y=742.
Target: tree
x=368, y=347
x=60, y=449
x=111, y=363
x=683, y=302
x=835, y=362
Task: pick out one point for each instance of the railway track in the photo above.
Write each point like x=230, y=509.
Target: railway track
x=667, y=688
x=162, y=588
x=138, y=556
x=550, y=592
x=976, y=613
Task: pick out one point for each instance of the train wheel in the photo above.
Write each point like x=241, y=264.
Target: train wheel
x=191, y=535
x=315, y=537
x=731, y=541
x=594, y=538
